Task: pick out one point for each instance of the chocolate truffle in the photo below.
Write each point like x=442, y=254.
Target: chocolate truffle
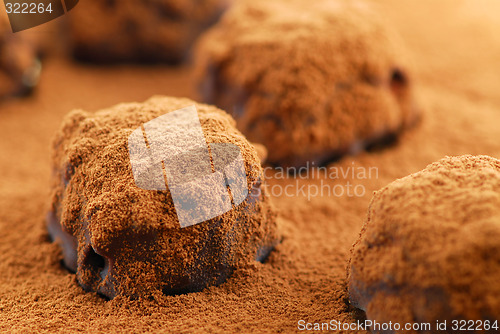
x=123, y=236
x=311, y=80
x=429, y=249
x=147, y=30
x=19, y=64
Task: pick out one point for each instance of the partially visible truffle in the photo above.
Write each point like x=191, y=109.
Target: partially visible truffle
x=121, y=239
x=430, y=248
x=146, y=30
x=311, y=80
x=19, y=64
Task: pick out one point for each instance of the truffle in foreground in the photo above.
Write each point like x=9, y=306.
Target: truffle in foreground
x=429, y=250
x=122, y=239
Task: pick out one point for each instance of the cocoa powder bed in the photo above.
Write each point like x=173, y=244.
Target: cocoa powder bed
x=304, y=278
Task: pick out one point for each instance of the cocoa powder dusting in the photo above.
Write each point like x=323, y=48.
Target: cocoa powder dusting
x=428, y=251
x=311, y=81
x=128, y=238
x=304, y=278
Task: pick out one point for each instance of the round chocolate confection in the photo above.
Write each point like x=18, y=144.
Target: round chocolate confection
x=429, y=250
x=146, y=30
x=19, y=64
x=311, y=80
x=124, y=239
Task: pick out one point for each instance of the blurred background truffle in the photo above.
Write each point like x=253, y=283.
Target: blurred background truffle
x=146, y=30
x=312, y=81
x=19, y=62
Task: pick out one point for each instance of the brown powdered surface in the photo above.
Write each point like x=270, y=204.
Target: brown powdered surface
x=128, y=238
x=456, y=47
x=429, y=250
x=312, y=81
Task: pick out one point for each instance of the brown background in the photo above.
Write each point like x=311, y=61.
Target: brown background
x=456, y=45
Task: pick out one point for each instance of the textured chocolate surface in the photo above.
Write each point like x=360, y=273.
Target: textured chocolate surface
x=429, y=248
x=124, y=240
x=312, y=81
